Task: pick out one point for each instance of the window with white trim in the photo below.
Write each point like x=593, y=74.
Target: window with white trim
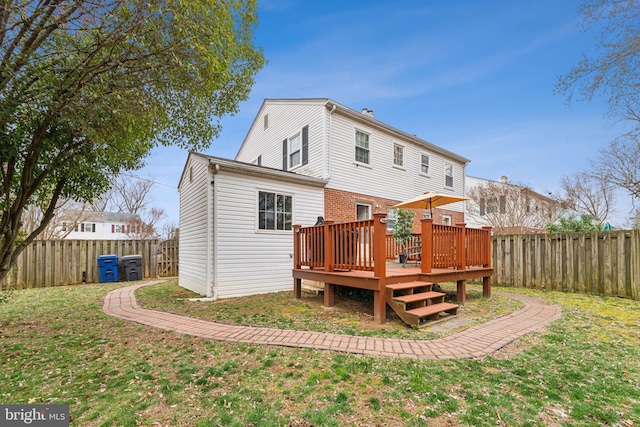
x=87, y=227
x=362, y=147
x=398, y=155
x=275, y=211
x=363, y=211
x=446, y=219
x=391, y=219
x=448, y=175
x=424, y=164
x=295, y=152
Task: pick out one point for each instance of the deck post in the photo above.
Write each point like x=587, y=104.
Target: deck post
x=461, y=291
x=426, y=233
x=486, y=281
x=329, y=247
x=486, y=287
x=329, y=294
x=461, y=253
x=380, y=268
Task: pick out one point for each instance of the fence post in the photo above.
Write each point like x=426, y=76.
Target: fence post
x=461, y=252
x=486, y=281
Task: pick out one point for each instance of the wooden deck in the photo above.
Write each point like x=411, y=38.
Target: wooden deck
x=357, y=254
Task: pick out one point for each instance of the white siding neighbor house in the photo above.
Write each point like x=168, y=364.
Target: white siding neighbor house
x=236, y=225
x=301, y=159
x=507, y=207
x=88, y=225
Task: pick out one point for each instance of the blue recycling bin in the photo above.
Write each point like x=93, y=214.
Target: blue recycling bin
x=132, y=267
x=108, y=268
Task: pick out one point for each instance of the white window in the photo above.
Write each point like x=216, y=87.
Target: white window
x=363, y=211
x=446, y=219
x=391, y=219
x=424, y=164
x=426, y=214
x=448, y=175
x=295, y=153
x=87, y=227
x=362, y=147
x=266, y=121
x=275, y=211
x=398, y=155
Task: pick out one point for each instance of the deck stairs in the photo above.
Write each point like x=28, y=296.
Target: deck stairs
x=417, y=304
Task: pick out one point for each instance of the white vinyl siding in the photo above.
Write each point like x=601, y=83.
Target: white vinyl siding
x=287, y=120
x=194, y=226
x=379, y=179
x=250, y=261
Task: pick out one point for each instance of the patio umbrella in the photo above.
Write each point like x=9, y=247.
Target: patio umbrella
x=430, y=200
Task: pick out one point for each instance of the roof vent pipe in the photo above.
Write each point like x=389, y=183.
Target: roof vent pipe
x=367, y=112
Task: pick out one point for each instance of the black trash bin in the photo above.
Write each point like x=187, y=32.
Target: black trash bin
x=108, y=268
x=132, y=267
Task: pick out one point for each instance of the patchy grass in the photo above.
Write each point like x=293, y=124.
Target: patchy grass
x=58, y=347
x=351, y=315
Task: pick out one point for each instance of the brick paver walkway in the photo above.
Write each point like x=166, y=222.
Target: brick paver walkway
x=478, y=341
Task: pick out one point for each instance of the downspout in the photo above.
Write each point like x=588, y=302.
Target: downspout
x=329, y=142
x=212, y=226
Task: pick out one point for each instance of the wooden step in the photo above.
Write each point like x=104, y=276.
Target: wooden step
x=430, y=310
x=422, y=296
x=409, y=285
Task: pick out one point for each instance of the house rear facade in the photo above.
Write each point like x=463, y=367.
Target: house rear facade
x=301, y=159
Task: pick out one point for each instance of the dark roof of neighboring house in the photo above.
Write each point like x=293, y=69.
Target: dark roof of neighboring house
x=98, y=216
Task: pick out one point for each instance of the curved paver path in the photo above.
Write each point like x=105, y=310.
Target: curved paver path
x=478, y=341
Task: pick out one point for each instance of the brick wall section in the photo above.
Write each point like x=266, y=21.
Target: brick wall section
x=341, y=206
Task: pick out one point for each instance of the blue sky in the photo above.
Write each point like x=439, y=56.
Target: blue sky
x=474, y=77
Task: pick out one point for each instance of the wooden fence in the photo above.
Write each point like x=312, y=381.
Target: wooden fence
x=602, y=263
x=168, y=258
x=62, y=262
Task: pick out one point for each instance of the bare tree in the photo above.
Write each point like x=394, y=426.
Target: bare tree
x=147, y=226
x=131, y=194
x=510, y=208
x=613, y=71
x=588, y=194
x=619, y=164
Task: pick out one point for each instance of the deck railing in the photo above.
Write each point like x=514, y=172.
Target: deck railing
x=356, y=245
x=345, y=245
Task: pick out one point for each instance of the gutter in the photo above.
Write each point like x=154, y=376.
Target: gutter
x=212, y=245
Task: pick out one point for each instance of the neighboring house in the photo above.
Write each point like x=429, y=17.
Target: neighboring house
x=311, y=157
x=89, y=225
x=236, y=223
x=508, y=208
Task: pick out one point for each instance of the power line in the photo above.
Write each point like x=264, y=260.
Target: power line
x=147, y=179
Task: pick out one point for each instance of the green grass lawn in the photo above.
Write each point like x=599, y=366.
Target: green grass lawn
x=58, y=347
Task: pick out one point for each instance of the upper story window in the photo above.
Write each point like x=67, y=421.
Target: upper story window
x=362, y=147
x=424, y=164
x=398, y=155
x=266, y=121
x=275, y=211
x=295, y=151
x=448, y=175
